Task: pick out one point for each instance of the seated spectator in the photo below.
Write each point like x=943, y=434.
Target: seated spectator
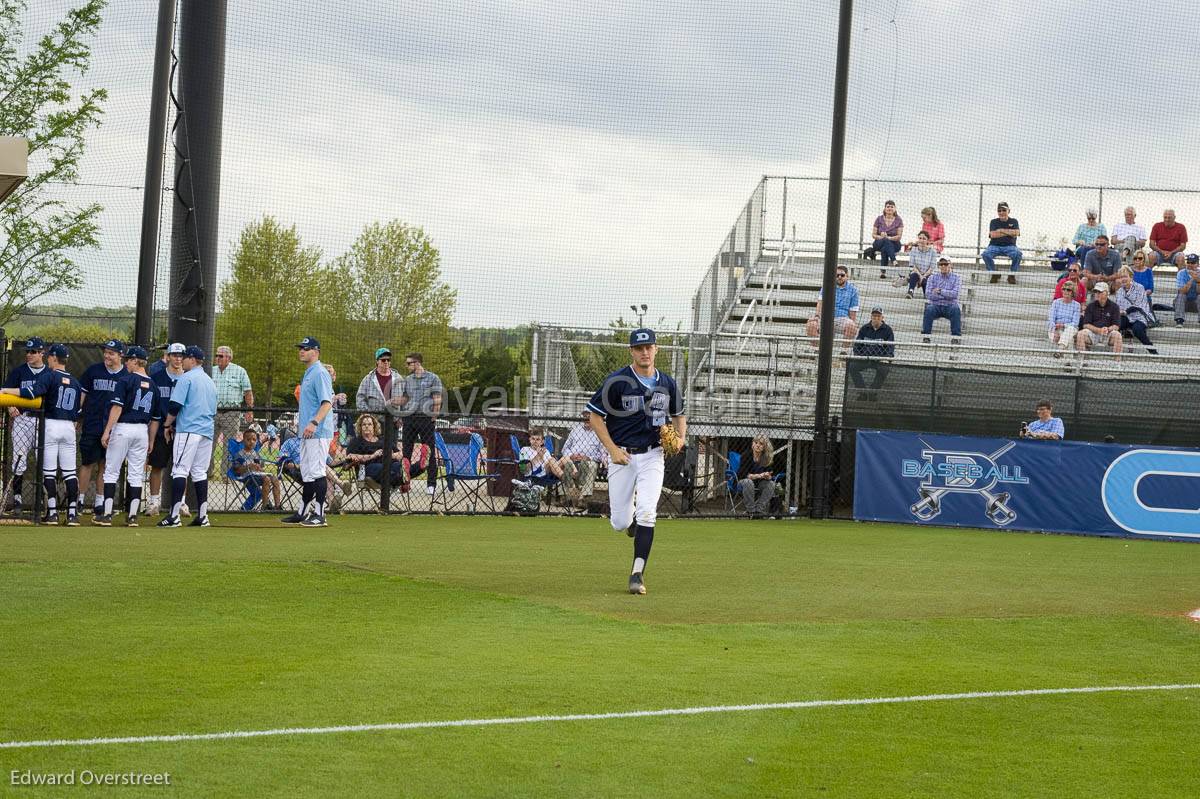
x=941, y=295
x=1002, y=233
x=1187, y=280
x=1135, y=308
x=1101, y=263
x=1085, y=235
x=1168, y=240
x=866, y=355
x=365, y=450
x=887, y=232
x=1128, y=237
x=1100, y=323
x=248, y=466
x=1063, y=322
x=543, y=469
x=1143, y=274
x=845, y=310
x=1046, y=426
x=582, y=455
x=289, y=464
x=921, y=262
x=933, y=226
x=754, y=479
x=1073, y=275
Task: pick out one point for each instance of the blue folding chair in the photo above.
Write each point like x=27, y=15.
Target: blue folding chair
x=547, y=480
x=733, y=491
x=254, y=491
x=462, y=465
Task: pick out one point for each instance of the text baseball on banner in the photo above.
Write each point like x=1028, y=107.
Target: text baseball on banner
x=1058, y=486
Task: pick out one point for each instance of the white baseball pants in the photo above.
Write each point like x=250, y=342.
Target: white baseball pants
x=634, y=488
x=190, y=456
x=127, y=442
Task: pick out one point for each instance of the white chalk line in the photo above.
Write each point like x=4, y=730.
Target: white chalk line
x=629, y=714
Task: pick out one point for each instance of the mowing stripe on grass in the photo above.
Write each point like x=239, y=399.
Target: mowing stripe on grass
x=625, y=714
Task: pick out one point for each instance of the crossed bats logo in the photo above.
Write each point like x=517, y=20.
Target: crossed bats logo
x=945, y=472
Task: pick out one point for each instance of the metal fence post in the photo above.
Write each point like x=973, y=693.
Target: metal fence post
x=979, y=227
x=1100, y=207
x=389, y=446
x=38, y=490
x=783, y=220
x=862, y=215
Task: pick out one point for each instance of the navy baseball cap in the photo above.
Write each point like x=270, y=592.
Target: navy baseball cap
x=176, y=349
x=35, y=344
x=309, y=343
x=643, y=335
x=60, y=351
x=135, y=352
x=194, y=352
x=1193, y=258
x=114, y=345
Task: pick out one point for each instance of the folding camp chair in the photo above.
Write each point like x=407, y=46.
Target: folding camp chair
x=462, y=469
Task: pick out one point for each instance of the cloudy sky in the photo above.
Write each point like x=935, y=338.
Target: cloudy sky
x=571, y=159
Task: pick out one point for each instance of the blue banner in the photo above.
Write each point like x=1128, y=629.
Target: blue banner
x=1055, y=486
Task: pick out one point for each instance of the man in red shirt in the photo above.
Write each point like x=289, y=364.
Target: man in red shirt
x=1168, y=240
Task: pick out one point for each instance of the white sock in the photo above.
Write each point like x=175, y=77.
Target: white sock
x=639, y=565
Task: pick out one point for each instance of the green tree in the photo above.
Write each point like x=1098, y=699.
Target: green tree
x=387, y=291
x=70, y=331
x=268, y=305
x=38, y=227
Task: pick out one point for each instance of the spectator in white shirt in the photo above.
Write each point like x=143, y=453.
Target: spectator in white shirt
x=1128, y=237
x=582, y=455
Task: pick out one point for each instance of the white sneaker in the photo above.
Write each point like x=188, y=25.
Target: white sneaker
x=184, y=510
x=430, y=490
x=152, y=507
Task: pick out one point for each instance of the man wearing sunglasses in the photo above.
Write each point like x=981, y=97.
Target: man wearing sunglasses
x=382, y=389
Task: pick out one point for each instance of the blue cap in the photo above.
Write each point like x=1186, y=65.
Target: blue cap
x=194, y=352
x=114, y=345
x=309, y=343
x=1192, y=258
x=643, y=335
x=135, y=352
x=60, y=351
x=35, y=343
x=382, y=351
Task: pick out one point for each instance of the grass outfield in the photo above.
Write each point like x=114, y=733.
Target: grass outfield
x=117, y=632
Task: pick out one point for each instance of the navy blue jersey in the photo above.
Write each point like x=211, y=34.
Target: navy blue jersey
x=156, y=367
x=98, y=384
x=137, y=396
x=23, y=378
x=62, y=394
x=165, y=382
x=635, y=407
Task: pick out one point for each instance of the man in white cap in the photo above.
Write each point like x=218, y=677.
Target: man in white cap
x=1100, y=323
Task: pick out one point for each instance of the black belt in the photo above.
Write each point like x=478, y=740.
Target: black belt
x=641, y=450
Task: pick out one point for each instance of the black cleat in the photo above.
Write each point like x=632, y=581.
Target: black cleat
x=636, y=586
x=199, y=521
x=72, y=520
x=168, y=521
x=314, y=521
x=50, y=518
x=295, y=518
x=631, y=531
x=103, y=520
x=131, y=521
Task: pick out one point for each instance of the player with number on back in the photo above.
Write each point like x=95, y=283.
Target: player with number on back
x=62, y=398
x=99, y=381
x=133, y=419
x=191, y=420
x=24, y=423
x=635, y=413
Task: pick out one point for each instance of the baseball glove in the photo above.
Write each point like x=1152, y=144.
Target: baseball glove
x=670, y=440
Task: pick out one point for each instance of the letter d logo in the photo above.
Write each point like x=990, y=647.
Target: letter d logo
x=1119, y=491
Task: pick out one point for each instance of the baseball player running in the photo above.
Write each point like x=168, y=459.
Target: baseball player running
x=62, y=398
x=191, y=420
x=133, y=420
x=316, y=433
x=627, y=413
x=24, y=422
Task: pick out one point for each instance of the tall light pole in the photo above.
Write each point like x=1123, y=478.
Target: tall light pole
x=641, y=314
